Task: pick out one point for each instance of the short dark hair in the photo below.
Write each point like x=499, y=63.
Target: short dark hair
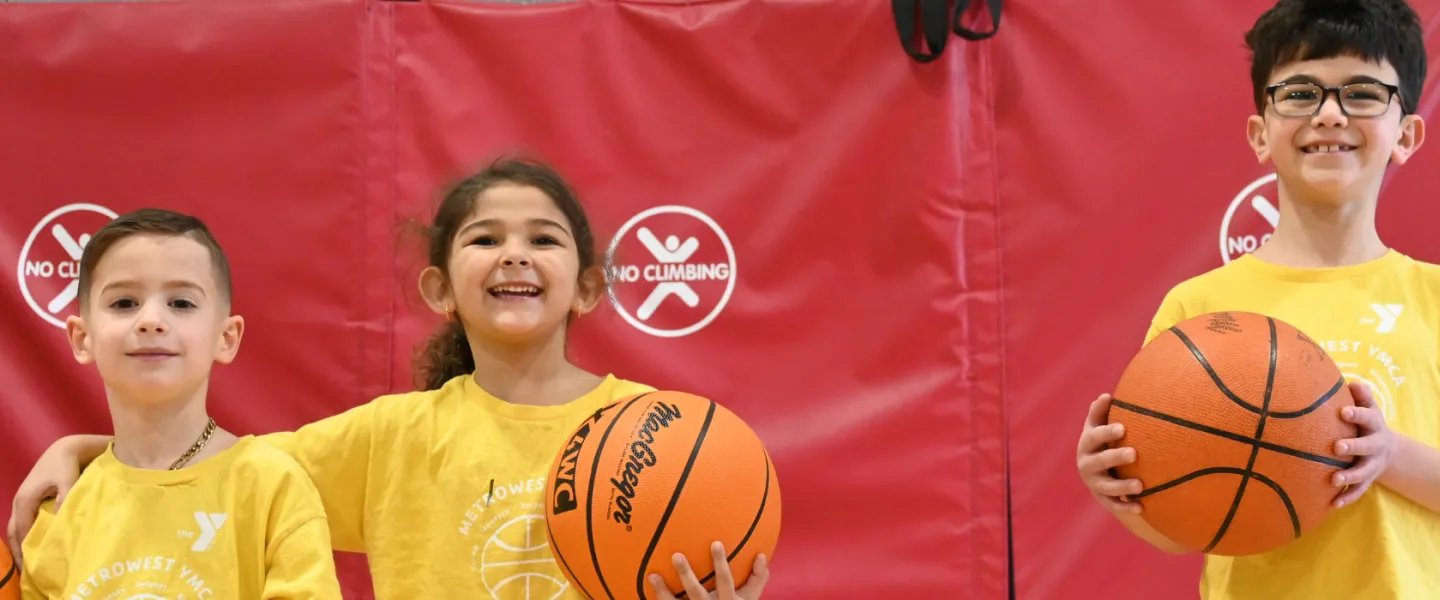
x=1373, y=30
x=152, y=221
x=447, y=353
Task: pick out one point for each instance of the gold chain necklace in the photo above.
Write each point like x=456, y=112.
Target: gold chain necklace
x=196, y=447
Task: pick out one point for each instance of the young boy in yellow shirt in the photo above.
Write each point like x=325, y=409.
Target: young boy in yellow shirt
x=176, y=507
x=1337, y=85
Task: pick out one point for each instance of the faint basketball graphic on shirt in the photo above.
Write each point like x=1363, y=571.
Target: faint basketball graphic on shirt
x=1250, y=219
x=516, y=562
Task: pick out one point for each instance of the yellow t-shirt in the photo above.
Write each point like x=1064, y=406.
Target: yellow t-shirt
x=1380, y=322
x=443, y=490
x=244, y=524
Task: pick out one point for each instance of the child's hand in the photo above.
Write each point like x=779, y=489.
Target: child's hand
x=1372, y=448
x=52, y=477
x=1094, y=460
x=724, y=581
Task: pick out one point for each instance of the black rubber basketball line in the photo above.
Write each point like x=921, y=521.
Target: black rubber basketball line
x=1254, y=447
x=764, y=501
x=1271, y=446
x=1295, y=414
x=590, y=496
x=1284, y=497
x=9, y=574
x=556, y=549
x=1215, y=377
x=674, y=499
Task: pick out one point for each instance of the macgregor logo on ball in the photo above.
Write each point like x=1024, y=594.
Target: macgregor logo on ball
x=671, y=271
x=1251, y=219
x=49, y=267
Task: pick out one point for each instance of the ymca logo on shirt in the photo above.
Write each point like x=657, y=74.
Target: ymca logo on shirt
x=210, y=524
x=1385, y=317
x=155, y=577
x=1372, y=363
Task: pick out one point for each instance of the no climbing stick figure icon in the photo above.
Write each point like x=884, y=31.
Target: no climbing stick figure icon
x=694, y=264
x=49, y=266
x=671, y=253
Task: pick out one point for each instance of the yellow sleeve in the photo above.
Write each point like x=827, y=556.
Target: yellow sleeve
x=335, y=453
x=299, y=560
x=1171, y=312
x=45, y=560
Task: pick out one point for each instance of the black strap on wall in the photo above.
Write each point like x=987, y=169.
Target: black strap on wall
x=935, y=20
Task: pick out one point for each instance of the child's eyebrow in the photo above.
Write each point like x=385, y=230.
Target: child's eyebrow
x=1302, y=78
x=534, y=221
x=183, y=284
x=549, y=223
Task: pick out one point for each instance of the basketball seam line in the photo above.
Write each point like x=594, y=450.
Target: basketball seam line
x=590, y=496
x=764, y=501
x=1284, y=497
x=1295, y=414
x=1302, y=455
x=10, y=574
x=550, y=534
x=1254, y=447
x=674, y=499
x=575, y=579
x=1214, y=377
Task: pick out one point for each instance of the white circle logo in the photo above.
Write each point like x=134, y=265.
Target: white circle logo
x=671, y=270
x=1243, y=231
x=49, y=268
x=516, y=562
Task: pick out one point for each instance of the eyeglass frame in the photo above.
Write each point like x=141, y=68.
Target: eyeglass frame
x=1325, y=97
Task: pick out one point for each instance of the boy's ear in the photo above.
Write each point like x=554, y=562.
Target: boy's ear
x=79, y=339
x=1259, y=140
x=589, y=291
x=1412, y=136
x=436, y=291
x=230, y=333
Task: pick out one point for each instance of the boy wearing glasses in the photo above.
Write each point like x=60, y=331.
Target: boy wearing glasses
x=1337, y=84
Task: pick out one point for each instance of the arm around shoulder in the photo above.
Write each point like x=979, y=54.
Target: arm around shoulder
x=335, y=453
x=44, y=558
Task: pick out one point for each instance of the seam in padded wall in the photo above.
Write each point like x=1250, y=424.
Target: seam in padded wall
x=983, y=187
x=985, y=76
x=378, y=96
x=986, y=59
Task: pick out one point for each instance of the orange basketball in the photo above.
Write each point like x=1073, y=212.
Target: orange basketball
x=653, y=475
x=1234, y=418
x=9, y=575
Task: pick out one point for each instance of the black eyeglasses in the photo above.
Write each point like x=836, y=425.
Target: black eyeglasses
x=1356, y=99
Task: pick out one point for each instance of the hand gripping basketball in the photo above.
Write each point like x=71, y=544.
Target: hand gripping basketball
x=1095, y=458
x=1372, y=448
x=664, y=484
x=724, y=579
